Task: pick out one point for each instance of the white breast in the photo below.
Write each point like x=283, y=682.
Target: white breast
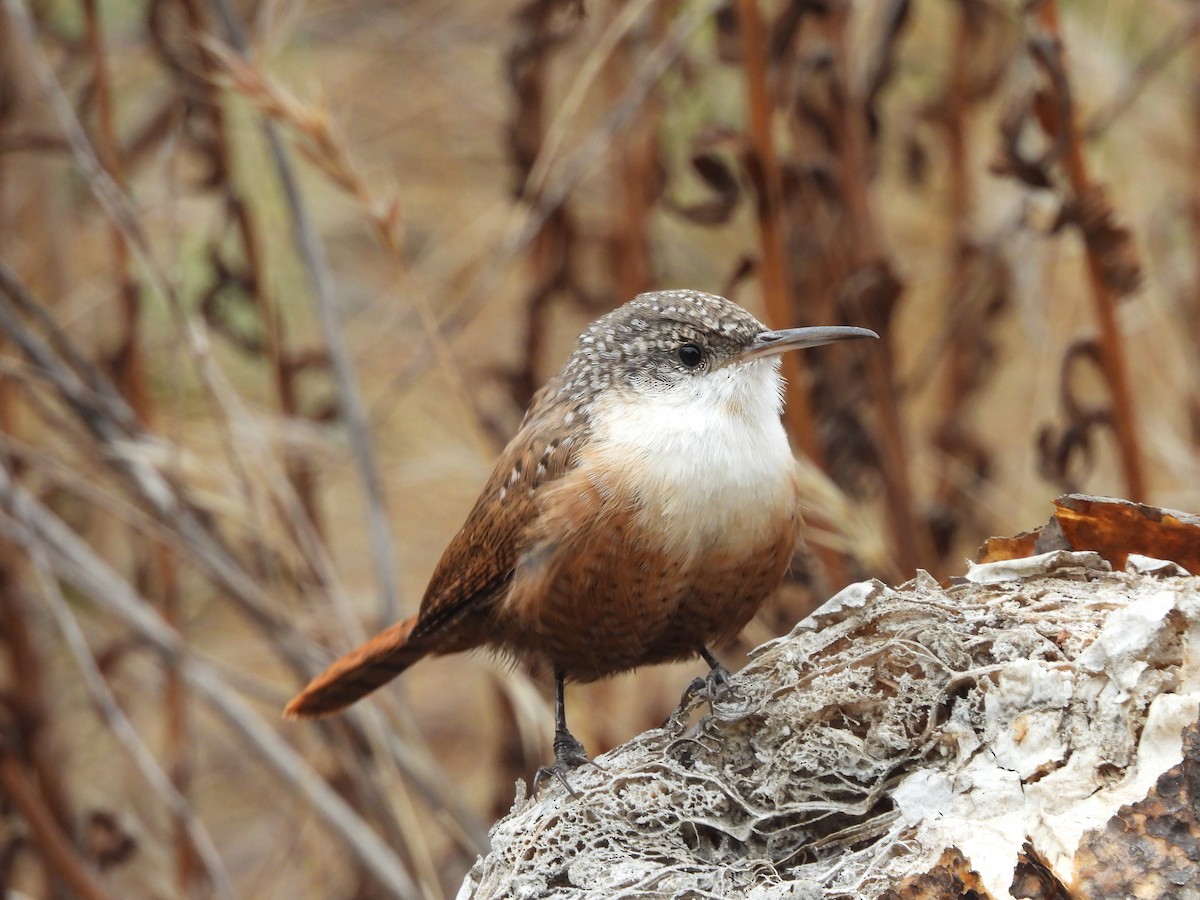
x=708, y=456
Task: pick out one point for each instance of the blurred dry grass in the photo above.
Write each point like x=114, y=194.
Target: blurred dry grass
x=485, y=178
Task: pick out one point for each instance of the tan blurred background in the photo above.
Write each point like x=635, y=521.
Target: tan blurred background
x=1008, y=192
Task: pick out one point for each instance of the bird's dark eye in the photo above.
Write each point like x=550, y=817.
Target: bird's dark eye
x=690, y=355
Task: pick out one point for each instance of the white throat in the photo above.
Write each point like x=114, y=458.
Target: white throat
x=709, y=455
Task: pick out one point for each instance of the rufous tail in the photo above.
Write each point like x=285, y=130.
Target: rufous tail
x=359, y=672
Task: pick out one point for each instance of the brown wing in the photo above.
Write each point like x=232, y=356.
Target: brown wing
x=474, y=571
x=478, y=565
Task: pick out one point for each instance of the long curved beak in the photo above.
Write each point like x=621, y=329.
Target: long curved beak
x=770, y=343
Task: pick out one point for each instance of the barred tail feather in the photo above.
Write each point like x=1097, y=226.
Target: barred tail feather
x=359, y=672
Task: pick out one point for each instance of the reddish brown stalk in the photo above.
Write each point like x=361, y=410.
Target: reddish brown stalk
x=24, y=708
x=1191, y=311
x=552, y=249
x=773, y=265
x=46, y=832
x=958, y=188
x=130, y=377
x=869, y=289
x=1112, y=353
x=635, y=162
x=28, y=701
x=200, y=80
x=128, y=362
x=774, y=270
x=962, y=318
x=854, y=143
x=9, y=77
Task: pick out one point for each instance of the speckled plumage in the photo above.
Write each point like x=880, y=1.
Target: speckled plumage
x=645, y=509
x=638, y=338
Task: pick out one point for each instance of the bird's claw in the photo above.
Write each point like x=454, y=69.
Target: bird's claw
x=568, y=754
x=695, y=686
x=715, y=686
x=716, y=683
x=677, y=719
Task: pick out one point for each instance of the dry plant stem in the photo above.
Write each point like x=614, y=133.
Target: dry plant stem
x=528, y=220
x=106, y=414
x=109, y=420
x=103, y=416
x=407, y=754
x=909, y=536
x=1104, y=303
x=107, y=192
x=102, y=412
x=286, y=376
x=131, y=380
x=46, y=834
x=29, y=727
x=432, y=784
x=606, y=50
x=1151, y=65
x=322, y=146
x=416, y=766
x=774, y=270
x=126, y=734
x=955, y=391
x=30, y=525
x=313, y=253
x=64, y=350
x=634, y=163
x=854, y=140
x=959, y=191
x=354, y=413
x=128, y=358
x=1191, y=309
x=911, y=540
x=414, y=838
x=773, y=266
x=550, y=250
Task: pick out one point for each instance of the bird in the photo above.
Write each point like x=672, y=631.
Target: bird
x=644, y=511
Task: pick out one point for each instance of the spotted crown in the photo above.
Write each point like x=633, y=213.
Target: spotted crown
x=618, y=345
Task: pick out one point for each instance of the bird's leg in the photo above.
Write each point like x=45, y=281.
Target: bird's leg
x=568, y=752
x=717, y=681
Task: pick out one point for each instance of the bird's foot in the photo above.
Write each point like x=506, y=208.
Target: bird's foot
x=717, y=688
x=568, y=754
x=716, y=683
x=678, y=719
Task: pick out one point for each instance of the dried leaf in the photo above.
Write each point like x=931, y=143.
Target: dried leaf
x=228, y=305
x=1111, y=244
x=1015, y=161
x=108, y=842
x=1065, y=450
x=1113, y=528
x=728, y=34
x=718, y=175
x=1019, y=546
x=1116, y=528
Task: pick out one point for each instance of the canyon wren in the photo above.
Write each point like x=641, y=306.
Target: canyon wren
x=643, y=512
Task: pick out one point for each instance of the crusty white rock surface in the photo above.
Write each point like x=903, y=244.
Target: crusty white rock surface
x=1010, y=718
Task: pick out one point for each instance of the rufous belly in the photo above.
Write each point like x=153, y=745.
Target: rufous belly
x=612, y=595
